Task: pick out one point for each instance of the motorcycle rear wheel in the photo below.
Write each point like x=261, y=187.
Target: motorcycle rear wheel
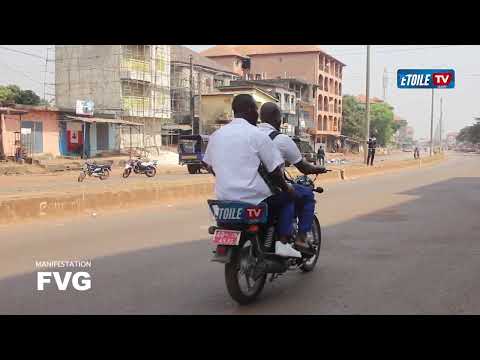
x=233, y=271
x=105, y=174
x=317, y=243
x=150, y=172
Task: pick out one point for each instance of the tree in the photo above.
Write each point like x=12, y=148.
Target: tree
x=27, y=97
x=470, y=134
x=6, y=94
x=353, y=116
x=382, y=125
x=13, y=93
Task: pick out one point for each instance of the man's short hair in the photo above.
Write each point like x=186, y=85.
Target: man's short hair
x=269, y=111
x=242, y=103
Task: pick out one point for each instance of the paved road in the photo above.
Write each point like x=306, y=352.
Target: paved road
x=404, y=243
x=67, y=181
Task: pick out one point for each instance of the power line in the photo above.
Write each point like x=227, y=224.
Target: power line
x=21, y=72
x=22, y=52
x=381, y=51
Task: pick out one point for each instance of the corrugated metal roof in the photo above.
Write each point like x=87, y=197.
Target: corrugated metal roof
x=102, y=120
x=238, y=90
x=12, y=111
x=182, y=54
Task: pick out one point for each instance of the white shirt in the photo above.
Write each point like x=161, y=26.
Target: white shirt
x=234, y=152
x=287, y=147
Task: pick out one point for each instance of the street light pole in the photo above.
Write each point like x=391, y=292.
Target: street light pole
x=367, y=107
x=441, y=119
x=192, y=104
x=431, y=125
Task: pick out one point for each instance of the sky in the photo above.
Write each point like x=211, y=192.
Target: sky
x=460, y=105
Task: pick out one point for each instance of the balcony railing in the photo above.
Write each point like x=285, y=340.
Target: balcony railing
x=135, y=69
x=136, y=106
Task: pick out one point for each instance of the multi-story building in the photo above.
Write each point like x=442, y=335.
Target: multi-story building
x=294, y=99
x=207, y=76
x=128, y=82
x=286, y=97
x=308, y=63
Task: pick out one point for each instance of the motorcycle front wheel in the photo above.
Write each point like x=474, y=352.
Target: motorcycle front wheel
x=126, y=173
x=81, y=177
x=309, y=265
x=241, y=287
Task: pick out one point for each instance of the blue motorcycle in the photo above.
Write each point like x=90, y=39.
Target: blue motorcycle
x=95, y=170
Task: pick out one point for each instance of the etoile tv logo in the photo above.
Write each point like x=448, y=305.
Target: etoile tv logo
x=426, y=78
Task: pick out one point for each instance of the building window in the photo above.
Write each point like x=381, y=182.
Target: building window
x=339, y=89
x=258, y=76
x=325, y=85
x=320, y=103
x=320, y=82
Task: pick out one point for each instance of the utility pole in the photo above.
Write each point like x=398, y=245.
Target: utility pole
x=431, y=125
x=385, y=84
x=441, y=118
x=45, y=76
x=192, y=104
x=367, y=106
x=199, y=77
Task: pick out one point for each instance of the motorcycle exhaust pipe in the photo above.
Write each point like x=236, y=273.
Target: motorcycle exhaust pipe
x=275, y=266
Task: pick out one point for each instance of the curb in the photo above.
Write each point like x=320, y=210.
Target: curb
x=48, y=206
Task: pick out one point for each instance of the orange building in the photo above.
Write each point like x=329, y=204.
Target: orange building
x=305, y=62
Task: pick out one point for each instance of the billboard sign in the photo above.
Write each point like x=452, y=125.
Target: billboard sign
x=85, y=107
x=425, y=78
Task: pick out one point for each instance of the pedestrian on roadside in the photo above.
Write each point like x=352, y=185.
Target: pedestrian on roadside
x=416, y=153
x=372, y=144
x=321, y=155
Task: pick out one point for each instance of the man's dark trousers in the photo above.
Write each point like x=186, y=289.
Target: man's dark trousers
x=371, y=156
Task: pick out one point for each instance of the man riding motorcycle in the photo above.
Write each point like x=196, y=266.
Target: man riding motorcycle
x=248, y=168
x=304, y=197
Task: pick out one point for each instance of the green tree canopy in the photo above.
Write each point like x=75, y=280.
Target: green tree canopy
x=13, y=93
x=353, y=116
x=382, y=125
x=470, y=134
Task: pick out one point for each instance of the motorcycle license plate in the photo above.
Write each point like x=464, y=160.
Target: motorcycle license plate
x=226, y=237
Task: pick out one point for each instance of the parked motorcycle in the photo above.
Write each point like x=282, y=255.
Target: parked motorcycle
x=148, y=168
x=95, y=170
x=245, y=242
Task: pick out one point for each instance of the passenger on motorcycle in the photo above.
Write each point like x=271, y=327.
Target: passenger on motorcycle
x=248, y=168
x=304, y=197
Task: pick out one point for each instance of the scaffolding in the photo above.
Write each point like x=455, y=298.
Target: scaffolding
x=130, y=82
x=148, y=84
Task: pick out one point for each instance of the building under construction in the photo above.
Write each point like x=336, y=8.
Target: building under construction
x=192, y=76
x=129, y=83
